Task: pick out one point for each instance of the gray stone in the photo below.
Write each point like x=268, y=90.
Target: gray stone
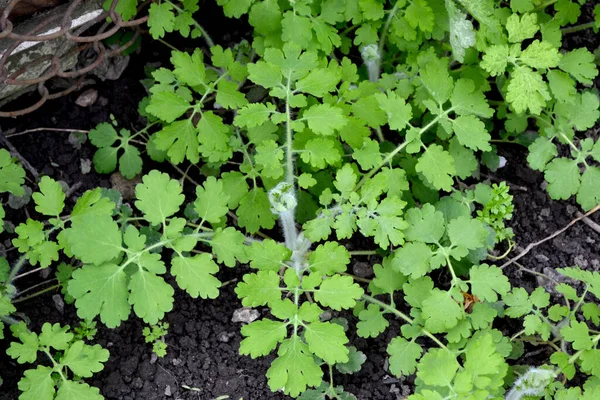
x=245, y=314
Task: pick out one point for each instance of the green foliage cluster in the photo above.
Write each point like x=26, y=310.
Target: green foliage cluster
x=339, y=120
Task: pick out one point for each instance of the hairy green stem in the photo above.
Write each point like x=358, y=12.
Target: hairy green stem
x=15, y=271
x=577, y=28
x=405, y=317
x=205, y=35
x=31, y=296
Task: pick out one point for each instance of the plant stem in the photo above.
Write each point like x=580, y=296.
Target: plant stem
x=31, y=296
x=363, y=253
x=289, y=152
x=398, y=149
x=205, y=35
x=575, y=356
x=405, y=317
x=15, y=271
x=577, y=28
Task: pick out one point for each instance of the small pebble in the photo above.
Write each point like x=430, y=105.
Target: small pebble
x=87, y=98
x=362, y=269
x=58, y=303
x=168, y=391
x=245, y=314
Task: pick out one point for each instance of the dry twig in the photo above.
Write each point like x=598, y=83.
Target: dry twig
x=555, y=234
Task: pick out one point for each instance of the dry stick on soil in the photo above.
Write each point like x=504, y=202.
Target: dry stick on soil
x=46, y=129
x=15, y=153
x=589, y=222
x=555, y=234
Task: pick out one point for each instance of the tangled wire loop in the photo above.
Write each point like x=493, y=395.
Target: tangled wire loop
x=46, y=30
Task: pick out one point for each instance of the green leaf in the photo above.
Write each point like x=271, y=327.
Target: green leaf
x=254, y=211
x=26, y=351
x=495, y=59
x=101, y=290
x=70, y=390
x=355, y=361
x=324, y=119
x=540, y=153
x=229, y=96
x=329, y=258
x=211, y=201
x=51, y=198
x=228, y=245
x=259, y=289
x=518, y=303
x=338, y=292
x=55, y=336
x=321, y=152
x=158, y=197
x=467, y=233
x=403, y=356
x=467, y=100
x=319, y=82
x=590, y=362
x=437, y=165
x=567, y=11
x=561, y=85
x=579, y=63
x=413, y=259
x=425, y=224
x=440, y=311
x=264, y=74
x=195, y=275
x=37, y=384
x=269, y=157
x=372, y=322
x=162, y=19
x=369, y=156
x=294, y=369
x=130, y=162
x=386, y=277
x=85, y=360
x=167, y=106
x=578, y=334
x=437, y=368
x=180, y=140
x=189, y=68
x=562, y=175
x=471, y=133
x=261, y=337
x=540, y=55
x=267, y=255
x=94, y=238
x=327, y=341
x=527, y=90
x=12, y=175
x=398, y=112
x=521, y=28
x=589, y=195
x=420, y=15
x=254, y=114
x=487, y=282
x=151, y=297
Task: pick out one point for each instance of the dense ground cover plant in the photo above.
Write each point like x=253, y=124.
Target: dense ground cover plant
x=341, y=120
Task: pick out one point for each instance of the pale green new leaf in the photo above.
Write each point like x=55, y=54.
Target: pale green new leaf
x=440, y=311
x=94, y=238
x=12, y=175
x=521, y=28
x=371, y=322
x=398, y=112
x=527, y=91
x=437, y=367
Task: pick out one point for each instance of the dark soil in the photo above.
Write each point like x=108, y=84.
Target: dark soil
x=202, y=342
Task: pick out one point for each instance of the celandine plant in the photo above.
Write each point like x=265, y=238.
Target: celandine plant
x=344, y=120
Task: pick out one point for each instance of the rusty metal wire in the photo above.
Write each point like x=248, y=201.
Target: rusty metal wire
x=74, y=38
